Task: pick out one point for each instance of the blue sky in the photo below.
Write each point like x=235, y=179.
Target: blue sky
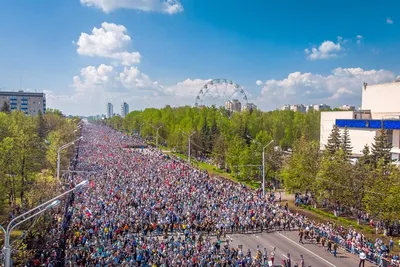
x=50, y=46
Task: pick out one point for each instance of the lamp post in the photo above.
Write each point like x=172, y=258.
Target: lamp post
x=263, y=163
x=189, y=147
x=59, y=157
x=27, y=216
x=140, y=129
x=157, y=128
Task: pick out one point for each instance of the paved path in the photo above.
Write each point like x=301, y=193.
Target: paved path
x=287, y=242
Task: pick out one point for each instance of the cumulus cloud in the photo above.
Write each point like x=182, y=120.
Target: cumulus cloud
x=95, y=80
x=109, y=41
x=326, y=50
x=359, y=39
x=258, y=82
x=106, y=78
x=164, y=6
x=389, y=21
x=341, y=86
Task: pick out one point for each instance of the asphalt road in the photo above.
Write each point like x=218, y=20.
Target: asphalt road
x=287, y=242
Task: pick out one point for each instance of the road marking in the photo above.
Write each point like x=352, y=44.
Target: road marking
x=309, y=251
x=285, y=256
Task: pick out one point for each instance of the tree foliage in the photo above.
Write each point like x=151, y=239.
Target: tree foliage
x=217, y=135
x=27, y=148
x=334, y=141
x=300, y=172
x=381, y=148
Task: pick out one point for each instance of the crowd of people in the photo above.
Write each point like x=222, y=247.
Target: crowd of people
x=144, y=208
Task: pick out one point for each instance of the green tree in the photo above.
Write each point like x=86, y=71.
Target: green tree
x=235, y=148
x=334, y=141
x=381, y=148
x=382, y=190
x=346, y=143
x=42, y=127
x=300, y=172
x=334, y=179
x=6, y=107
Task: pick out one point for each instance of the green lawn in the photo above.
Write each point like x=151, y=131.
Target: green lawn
x=212, y=170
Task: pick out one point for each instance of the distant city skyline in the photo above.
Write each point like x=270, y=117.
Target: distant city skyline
x=152, y=54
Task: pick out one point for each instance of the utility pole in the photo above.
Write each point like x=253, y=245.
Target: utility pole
x=189, y=147
x=157, y=128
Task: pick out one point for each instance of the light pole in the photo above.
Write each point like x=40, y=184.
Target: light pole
x=59, y=157
x=263, y=163
x=140, y=129
x=27, y=216
x=157, y=128
x=189, y=147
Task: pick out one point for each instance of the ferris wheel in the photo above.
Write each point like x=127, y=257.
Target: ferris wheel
x=218, y=92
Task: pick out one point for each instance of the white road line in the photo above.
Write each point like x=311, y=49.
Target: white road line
x=309, y=251
x=285, y=256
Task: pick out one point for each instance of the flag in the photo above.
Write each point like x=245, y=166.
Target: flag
x=88, y=212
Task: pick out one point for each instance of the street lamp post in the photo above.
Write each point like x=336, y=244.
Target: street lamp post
x=263, y=163
x=157, y=128
x=140, y=129
x=27, y=216
x=59, y=156
x=189, y=147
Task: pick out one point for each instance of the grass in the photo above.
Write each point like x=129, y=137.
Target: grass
x=213, y=171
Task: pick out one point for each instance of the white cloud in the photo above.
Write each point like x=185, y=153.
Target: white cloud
x=164, y=6
x=359, y=39
x=186, y=89
x=95, y=80
x=342, y=86
x=326, y=50
x=106, y=78
x=258, y=82
x=109, y=41
x=131, y=78
x=389, y=21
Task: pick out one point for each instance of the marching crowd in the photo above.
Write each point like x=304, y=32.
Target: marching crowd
x=144, y=208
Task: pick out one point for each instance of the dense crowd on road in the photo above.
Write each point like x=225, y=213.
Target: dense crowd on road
x=145, y=208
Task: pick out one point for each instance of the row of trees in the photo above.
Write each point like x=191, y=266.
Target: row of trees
x=28, y=155
x=372, y=184
x=234, y=143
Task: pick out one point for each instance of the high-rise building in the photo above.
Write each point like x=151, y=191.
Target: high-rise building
x=321, y=107
x=298, y=108
x=285, y=107
x=347, y=107
x=109, y=111
x=233, y=105
x=28, y=102
x=124, y=109
x=249, y=107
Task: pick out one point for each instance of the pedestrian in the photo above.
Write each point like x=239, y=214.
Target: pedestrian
x=363, y=257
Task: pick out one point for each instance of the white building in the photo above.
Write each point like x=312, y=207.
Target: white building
x=109, y=110
x=249, y=106
x=321, y=107
x=285, y=107
x=233, y=105
x=124, y=109
x=380, y=108
x=298, y=108
x=347, y=107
